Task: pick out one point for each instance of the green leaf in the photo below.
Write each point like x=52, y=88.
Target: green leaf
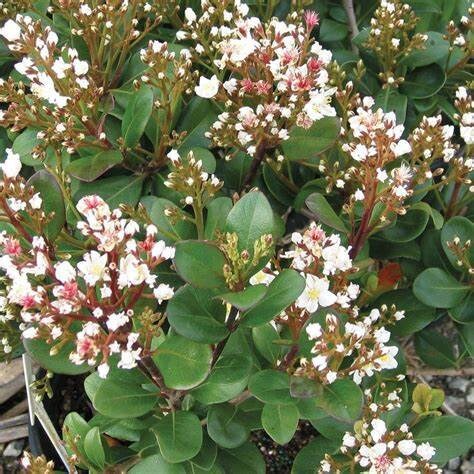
x=390, y=100
x=179, y=436
x=59, y=363
x=197, y=315
x=53, y=201
x=282, y=291
x=435, y=349
x=244, y=459
x=90, y=168
x=94, y=449
x=24, y=144
x=407, y=227
x=309, y=458
x=206, y=157
x=250, y=219
x=462, y=228
x=168, y=230
x=318, y=205
x=74, y=431
x=271, y=386
x=280, y=422
x=332, y=30
x=264, y=338
x=121, y=395
x=136, y=116
x=436, y=288
x=417, y=314
x=156, y=463
x=464, y=312
x=436, y=47
x=227, y=379
x=342, y=400
x=226, y=427
x=245, y=299
x=450, y=435
x=466, y=333
x=206, y=458
x=183, y=363
x=423, y=82
x=217, y=212
x=115, y=190
x=200, y=263
x=307, y=144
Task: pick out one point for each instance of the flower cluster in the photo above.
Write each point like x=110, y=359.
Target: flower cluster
x=465, y=105
x=391, y=37
x=376, y=448
x=63, y=98
x=356, y=348
x=278, y=77
x=98, y=292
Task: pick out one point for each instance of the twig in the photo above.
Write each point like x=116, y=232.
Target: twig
x=349, y=7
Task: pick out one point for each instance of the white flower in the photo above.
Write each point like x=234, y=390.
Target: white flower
x=30, y=333
x=80, y=67
x=315, y=294
x=116, y=320
x=190, y=15
x=85, y=10
x=388, y=361
x=382, y=335
x=163, y=292
x=467, y=134
x=406, y=447
x=12, y=165
x=132, y=272
x=93, y=267
x=400, y=148
x=348, y=440
x=381, y=175
x=11, y=31
x=336, y=257
x=240, y=49
x=35, y=201
x=378, y=429
x=319, y=362
x=331, y=376
x=207, y=88
x=319, y=104
x=425, y=451
x=313, y=330
x=103, y=370
x=64, y=272
x=359, y=195
x=173, y=155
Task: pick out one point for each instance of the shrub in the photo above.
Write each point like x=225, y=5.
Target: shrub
x=235, y=217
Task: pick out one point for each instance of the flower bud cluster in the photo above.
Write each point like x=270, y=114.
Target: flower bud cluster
x=391, y=37
x=376, y=448
x=188, y=178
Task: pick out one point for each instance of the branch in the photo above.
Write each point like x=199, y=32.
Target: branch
x=349, y=7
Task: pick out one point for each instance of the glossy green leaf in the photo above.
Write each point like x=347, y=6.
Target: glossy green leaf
x=24, y=144
x=451, y=436
x=90, y=168
x=464, y=312
x=121, y=395
x=156, y=463
x=94, y=449
x=436, y=47
x=282, y=291
x=343, y=400
x=200, y=263
x=250, y=219
x=438, y=289
x=245, y=299
x=308, y=460
x=463, y=229
x=217, y=212
x=197, y=315
x=179, y=436
x=435, y=349
x=332, y=30
x=280, y=422
x=307, y=144
x=244, y=459
x=271, y=386
x=323, y=211
x=264, y=338
x=183, y=363
x=423, y=82
x=417, y=314
x=136, y=116
x=53, y=201
x=226, y=426
x=407, y=227
x=227, y=379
